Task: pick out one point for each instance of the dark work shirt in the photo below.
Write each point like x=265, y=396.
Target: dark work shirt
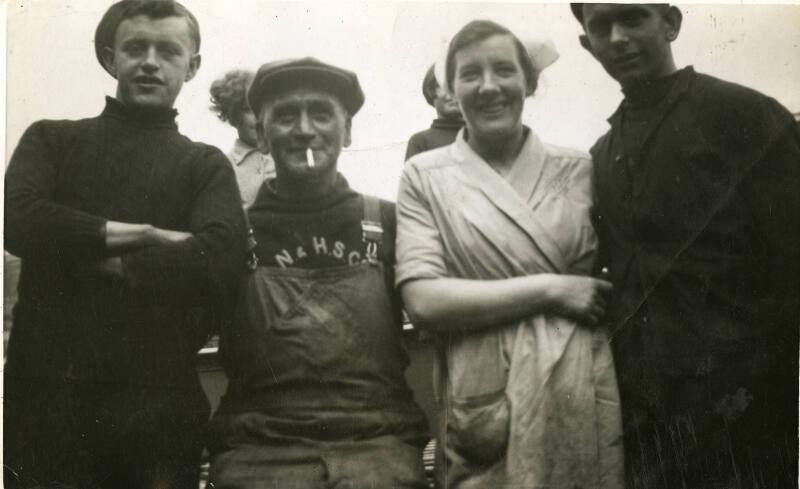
x=698, y=219
x=642, y=107
x=64, y=181
x=441, y=133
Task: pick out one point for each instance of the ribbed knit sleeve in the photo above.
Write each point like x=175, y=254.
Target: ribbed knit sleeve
x=35, y=225
x=211, y=261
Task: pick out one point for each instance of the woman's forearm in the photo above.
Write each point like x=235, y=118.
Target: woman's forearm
x=448, y=304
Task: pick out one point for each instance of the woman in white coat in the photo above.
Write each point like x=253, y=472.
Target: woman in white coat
x=494, y=249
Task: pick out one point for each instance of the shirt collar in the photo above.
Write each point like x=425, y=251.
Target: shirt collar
x=513, y=194
x=681, y=86
x=270, y=200
x=525, y=171
x=240, y=151
x=148, y=118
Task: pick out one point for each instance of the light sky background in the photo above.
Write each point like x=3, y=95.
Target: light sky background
x=52, y=72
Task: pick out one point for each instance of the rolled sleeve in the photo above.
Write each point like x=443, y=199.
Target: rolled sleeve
x=420, y=252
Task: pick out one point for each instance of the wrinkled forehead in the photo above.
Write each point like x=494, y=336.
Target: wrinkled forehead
x=172, y=29
x=299, y=98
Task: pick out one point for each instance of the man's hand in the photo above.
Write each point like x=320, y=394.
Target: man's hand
x=127, y=236
x=167, y=237
x=124, y=236
x=108, y=267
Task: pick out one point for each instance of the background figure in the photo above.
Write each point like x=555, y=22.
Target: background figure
x=698, y=213
x=448, y=122
x=494, y=249
x=229, y=98
x=132, y=239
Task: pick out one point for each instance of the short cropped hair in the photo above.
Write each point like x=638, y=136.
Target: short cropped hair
x=480, y=30
x=229, y=95
x=577, y=9
x=153, y=9
x=429, y=86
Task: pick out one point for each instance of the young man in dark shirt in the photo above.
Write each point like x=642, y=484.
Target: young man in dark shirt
x=697, y=208
x=317, y=397
x=448, y=120
x=130, y=236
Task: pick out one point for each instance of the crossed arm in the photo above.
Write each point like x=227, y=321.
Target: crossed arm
x=448, y=303
x=162, y=261
x=437, y=301
x=121, y=237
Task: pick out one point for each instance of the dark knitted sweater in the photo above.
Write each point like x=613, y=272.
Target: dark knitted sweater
x=65, y=179
x=441, y=133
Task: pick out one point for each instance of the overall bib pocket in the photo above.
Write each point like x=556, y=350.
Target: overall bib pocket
x=315, y=329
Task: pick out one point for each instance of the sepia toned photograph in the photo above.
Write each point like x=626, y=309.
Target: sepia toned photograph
x=263, y=244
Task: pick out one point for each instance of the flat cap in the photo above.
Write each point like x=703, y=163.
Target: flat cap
x=124, y=9
x=284, y=75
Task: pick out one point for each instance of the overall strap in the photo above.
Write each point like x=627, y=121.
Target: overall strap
x=250, y=243
x=372, y=227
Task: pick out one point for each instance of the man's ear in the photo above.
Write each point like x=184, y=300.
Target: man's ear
x=673, y=18
x=108, y=61
x=194, y=65
x=348, y=124
x=261, y=142
x=584, y=40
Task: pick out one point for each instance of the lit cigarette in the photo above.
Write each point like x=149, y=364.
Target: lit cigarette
x=310, y=157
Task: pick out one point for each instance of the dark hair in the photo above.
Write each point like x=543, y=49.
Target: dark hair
x=577, y=9
x=153, y=9
x=480, y=30
x=429, y=86
x=229, y=95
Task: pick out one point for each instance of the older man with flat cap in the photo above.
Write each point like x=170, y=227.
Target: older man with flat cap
x=130, y=235
x=317, y=397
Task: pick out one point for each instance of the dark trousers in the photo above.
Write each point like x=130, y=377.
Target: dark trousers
x=66, y=434
x=726, y=425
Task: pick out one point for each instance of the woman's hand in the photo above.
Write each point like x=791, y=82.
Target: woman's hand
x=580, y=298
